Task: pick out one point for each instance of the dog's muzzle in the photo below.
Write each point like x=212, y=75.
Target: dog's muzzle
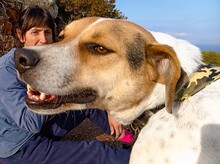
x=26, y=59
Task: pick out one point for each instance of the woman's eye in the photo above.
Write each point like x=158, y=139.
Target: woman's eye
x=35, y=32
x=48, y=32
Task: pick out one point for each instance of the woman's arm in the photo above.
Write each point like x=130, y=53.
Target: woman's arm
x=12, y=94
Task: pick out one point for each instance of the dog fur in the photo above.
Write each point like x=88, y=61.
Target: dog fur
x=132, y=70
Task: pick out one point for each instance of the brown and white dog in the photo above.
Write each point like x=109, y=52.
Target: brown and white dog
x=121, y=67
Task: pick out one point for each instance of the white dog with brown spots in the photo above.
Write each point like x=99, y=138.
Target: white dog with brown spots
x=121, y=67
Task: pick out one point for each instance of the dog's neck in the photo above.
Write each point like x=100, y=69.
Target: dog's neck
x=204, y=76
x=155, y=99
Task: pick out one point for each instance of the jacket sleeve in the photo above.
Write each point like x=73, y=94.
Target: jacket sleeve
x=12, y=94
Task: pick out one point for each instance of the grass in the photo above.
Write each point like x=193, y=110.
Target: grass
x=211, y=57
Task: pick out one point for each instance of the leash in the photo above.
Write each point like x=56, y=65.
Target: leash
x=204, y=76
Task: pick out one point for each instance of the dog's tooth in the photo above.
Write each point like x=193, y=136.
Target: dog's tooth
x=29, y=87
x=42, y=96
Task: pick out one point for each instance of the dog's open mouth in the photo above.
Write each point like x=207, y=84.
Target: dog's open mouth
x=37, y=99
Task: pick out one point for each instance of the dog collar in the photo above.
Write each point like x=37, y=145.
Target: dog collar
x=205, y=75
x=136, y=126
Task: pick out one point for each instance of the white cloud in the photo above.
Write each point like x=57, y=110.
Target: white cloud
x=179, y=34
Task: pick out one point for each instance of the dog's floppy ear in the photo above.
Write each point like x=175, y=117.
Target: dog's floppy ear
x=168, y=67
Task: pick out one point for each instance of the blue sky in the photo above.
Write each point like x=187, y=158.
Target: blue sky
x=197, y=21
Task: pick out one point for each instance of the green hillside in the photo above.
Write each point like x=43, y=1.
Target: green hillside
x=211, y=57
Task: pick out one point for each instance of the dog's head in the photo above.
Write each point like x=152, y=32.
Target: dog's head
x=100, y=63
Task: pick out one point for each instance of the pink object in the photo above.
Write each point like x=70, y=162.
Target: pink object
x=127, y=138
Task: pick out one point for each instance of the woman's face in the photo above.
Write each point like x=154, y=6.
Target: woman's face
x=37, y=36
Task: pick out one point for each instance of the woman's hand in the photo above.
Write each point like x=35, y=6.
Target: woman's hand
x=115, y=127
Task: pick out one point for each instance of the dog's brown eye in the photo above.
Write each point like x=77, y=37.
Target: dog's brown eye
x=100, y=49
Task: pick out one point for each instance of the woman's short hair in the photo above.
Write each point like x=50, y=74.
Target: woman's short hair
x=34, y=16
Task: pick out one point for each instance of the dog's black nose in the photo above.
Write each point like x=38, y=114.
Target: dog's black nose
x=25, y=59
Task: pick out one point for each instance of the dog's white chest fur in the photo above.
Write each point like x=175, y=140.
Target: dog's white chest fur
x=191, y=135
